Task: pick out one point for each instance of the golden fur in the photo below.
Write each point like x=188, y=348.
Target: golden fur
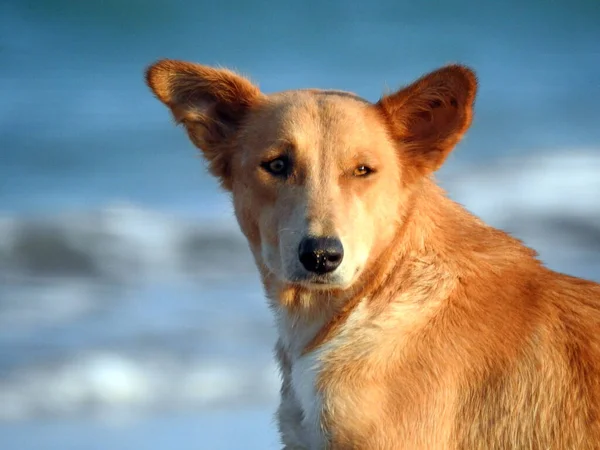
x=437, y=331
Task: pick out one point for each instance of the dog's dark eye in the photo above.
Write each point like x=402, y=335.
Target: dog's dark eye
x=278, y=166
x=362, y=171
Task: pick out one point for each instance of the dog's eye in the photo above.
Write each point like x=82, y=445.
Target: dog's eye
x=362, y=171
x=278, y=166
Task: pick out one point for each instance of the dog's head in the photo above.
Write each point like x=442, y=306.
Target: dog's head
x=320, y=179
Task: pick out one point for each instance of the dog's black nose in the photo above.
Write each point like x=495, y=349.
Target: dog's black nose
x=320, y=254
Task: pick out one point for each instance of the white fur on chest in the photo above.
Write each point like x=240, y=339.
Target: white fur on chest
x=305, y=369
x=305, y=372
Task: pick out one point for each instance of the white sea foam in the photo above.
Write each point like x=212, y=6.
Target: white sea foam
x=112, y=383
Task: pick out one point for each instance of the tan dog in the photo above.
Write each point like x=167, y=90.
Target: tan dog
x=404, y=321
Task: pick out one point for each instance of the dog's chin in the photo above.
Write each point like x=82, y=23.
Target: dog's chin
x=321, y=285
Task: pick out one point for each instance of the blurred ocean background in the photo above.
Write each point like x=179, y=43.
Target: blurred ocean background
x=131, y=316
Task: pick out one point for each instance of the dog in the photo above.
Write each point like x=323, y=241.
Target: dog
x=404, y=321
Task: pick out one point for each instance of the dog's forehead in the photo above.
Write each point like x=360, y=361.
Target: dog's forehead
x=315, y=114
x=319, y=102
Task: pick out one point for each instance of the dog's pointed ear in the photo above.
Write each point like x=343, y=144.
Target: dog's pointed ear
x=211, y=103
x=430, y=116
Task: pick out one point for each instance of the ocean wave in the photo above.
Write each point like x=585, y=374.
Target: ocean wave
x=120, y=243
x=559, y=184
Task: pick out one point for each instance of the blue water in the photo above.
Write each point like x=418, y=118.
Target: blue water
x=117, y=250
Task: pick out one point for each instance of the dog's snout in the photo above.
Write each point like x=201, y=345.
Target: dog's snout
x=320, y=254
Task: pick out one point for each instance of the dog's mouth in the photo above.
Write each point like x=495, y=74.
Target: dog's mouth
x=322, y=282
x=313, y=281
x=319, y=283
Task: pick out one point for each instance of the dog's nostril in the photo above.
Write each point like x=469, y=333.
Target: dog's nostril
x=334, y=257
x=320, y=255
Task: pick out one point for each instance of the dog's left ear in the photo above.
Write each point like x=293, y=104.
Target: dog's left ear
x=430, y=116
x=211, y=103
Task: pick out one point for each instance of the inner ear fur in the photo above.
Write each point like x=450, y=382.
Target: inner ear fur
x=430, y=116
x=211, y=103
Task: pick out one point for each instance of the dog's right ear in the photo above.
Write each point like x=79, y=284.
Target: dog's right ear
x=211, y=104
x=430, y=116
